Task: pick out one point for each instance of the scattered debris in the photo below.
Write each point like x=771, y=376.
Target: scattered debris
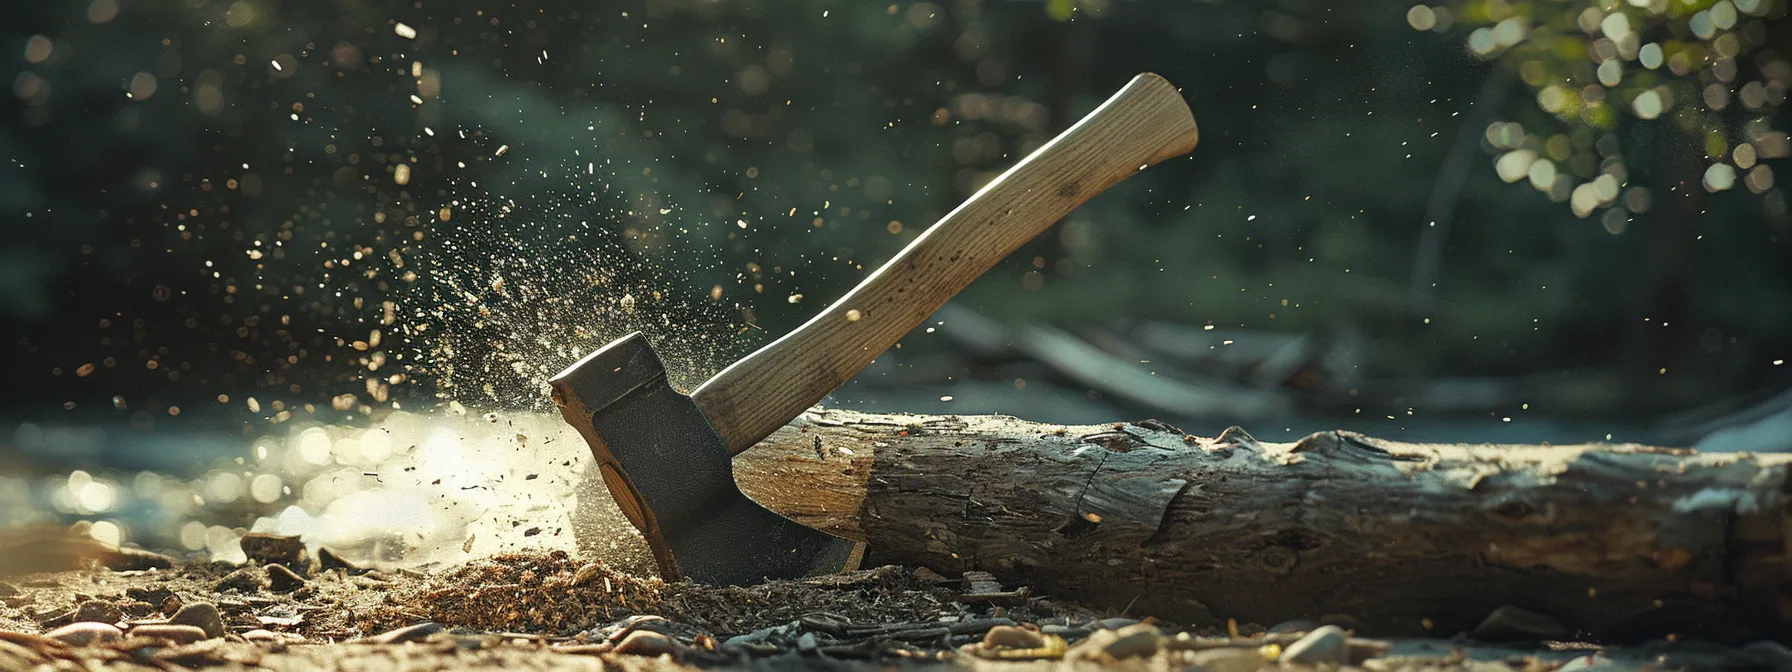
x=245, y=580
x=983, y=588
x=1509, y=623
x=552, y=611
x=409, y=633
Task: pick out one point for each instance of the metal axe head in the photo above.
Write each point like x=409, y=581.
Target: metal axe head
x=672, y=476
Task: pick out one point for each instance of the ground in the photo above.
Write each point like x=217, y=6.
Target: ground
x=551, y=611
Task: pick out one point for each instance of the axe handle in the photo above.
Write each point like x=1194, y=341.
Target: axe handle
x=1144, y=123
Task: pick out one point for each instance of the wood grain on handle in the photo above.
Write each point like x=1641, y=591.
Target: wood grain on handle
x=1144, y=123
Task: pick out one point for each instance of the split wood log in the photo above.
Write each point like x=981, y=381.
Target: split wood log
x=1617, y=542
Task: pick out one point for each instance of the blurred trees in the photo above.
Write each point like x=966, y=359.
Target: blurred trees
x=349, y=204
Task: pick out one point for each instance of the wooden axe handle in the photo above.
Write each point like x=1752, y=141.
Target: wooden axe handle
x=1144, y=123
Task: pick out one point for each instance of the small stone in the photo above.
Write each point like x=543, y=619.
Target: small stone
x=808, y=643
x=85, y=633
x=1296, y=625
x=409, y=633
x=202, y=615
x=245, y=580
x=755, y=641
x=98, y=611
x=263, y=549
x=179, y=634
x=650, y=643
x=1509, y=623
x=328, y=560
x=171, y=605
x=1324, y=645
x=1140, y=640
x=1589, y=663
x=1012, y=637
x=1226, y=659
x=282, y=579
x=1065, y=631
x=1115, y=623
x=134, y=559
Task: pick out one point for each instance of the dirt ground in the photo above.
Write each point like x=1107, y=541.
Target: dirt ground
x=552, y=611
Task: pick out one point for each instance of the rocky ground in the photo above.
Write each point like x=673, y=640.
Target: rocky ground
x=286, y=609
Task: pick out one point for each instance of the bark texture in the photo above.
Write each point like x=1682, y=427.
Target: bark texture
x=1618, y=542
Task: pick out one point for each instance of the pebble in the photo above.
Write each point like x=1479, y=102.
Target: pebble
x=1139, y=640
x=179, y=634
x=1228, y=659
x=263, y=549
x=85, y=633
x=1327, y=644
x=1589, y=663
x=1012, y=637
x=281, y=579
x=202, y=615
x=245, y=580
x=755, y=641
x=131, y=559
x=649, y=643
x=1064, y=631
x=808, y=643
x=1509, y=623
x=1296, y=625
x=98, y=611
x=409, y=633
x=1115, y=623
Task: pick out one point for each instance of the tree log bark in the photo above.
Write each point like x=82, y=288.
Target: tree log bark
x=1618, y=542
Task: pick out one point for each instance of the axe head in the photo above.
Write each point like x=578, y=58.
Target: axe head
x=671, y=475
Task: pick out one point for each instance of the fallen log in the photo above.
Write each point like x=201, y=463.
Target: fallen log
x=1614, y=542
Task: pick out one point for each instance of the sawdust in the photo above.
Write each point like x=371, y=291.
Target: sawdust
x=557, y=594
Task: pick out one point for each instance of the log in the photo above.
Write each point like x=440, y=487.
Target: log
x=1616, y=542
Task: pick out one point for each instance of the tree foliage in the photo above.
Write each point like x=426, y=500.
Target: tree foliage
x=1715, y=72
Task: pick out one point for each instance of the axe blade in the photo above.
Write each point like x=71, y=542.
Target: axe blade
x=673, y=478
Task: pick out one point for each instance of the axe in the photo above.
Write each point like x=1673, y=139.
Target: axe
x=667, y=457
